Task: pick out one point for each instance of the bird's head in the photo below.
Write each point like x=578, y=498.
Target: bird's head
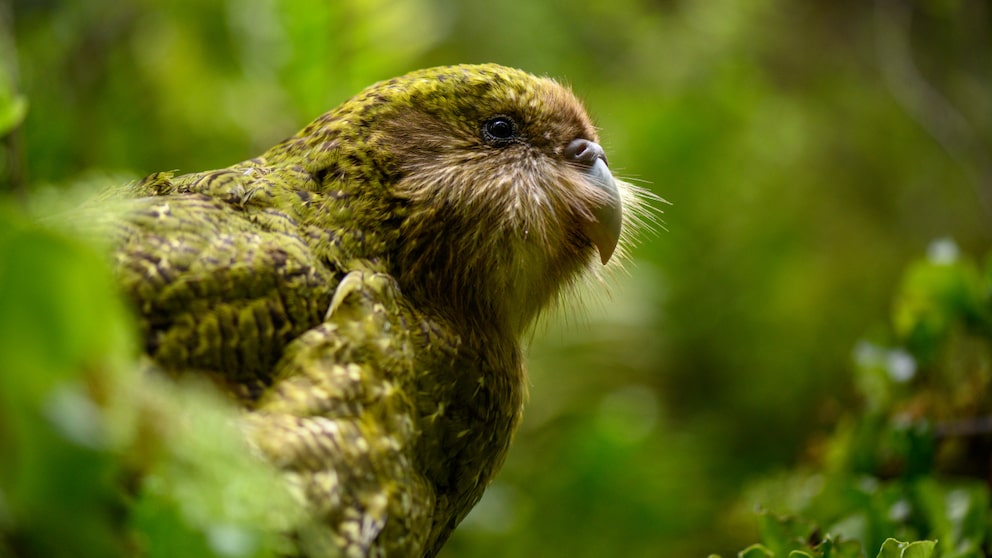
x=505, y=191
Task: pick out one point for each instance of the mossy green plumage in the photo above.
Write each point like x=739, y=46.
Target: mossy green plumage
x=361, y=287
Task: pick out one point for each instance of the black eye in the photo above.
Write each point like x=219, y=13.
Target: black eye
x=499, y=130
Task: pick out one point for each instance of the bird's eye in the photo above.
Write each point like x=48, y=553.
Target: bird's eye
x=499, y=130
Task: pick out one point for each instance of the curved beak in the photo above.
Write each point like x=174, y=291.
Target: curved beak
x=604, y=231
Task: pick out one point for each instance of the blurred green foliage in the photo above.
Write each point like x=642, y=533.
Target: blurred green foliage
x=100, y=459
x=775, y=346
x=892, y=548
x=913, y=461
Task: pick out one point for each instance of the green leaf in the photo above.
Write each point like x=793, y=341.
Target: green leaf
x=755, y=551
x=919, y=549
x=892, y=548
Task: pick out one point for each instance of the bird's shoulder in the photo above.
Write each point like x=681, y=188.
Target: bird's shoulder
x=223, y=269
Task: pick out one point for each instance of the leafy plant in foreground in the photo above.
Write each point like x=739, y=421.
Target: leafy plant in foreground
x=913, y=463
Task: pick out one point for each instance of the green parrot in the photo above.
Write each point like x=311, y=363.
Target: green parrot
x=361, y=289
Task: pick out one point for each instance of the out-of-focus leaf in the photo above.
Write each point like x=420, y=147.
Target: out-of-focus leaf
x=64, y=343
x=13, y=109
x=204, y=494
x=99, y=455
x=842, y=549
x=783, y=534
x=935, y=294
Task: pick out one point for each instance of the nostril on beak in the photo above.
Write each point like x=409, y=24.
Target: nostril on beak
x=584, y=152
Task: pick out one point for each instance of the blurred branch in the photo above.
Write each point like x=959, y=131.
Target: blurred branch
x=975, y=426
x=924, y=102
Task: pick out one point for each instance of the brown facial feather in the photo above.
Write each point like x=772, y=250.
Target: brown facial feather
x=494, y=229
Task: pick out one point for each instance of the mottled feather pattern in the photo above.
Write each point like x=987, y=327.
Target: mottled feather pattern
x=344, y=399
x=219, y=293
x=361, y=287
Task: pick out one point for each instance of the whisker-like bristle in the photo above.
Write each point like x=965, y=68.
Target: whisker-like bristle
x=642, y=211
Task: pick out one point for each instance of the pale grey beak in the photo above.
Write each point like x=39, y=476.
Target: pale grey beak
x=604, y=230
